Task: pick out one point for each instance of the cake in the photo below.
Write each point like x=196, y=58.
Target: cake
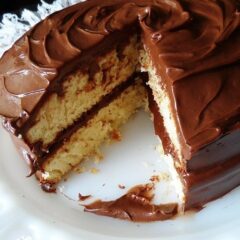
x=75, y=78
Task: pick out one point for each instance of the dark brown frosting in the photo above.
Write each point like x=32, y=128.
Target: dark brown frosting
x=134, y=206
x=209, y=184
x=214, y=108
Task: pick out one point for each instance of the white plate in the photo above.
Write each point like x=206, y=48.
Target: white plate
x=26, y=212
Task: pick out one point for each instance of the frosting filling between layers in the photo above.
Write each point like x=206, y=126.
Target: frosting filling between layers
x=81, y=90
x=98, y=125
x=88, y=62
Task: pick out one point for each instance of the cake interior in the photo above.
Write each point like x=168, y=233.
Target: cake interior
x=82, y=90
x=103, y=127
x=93, y=103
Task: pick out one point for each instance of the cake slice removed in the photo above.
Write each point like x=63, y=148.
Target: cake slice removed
x=99, y=126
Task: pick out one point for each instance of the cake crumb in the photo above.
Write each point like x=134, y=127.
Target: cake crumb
x=159, y=149
x=121, y=186
x=94, y=170
x=80, y=169
x=155, y=178
x=45, y=175
x=116, y=135
x=83, y=197
x=20, y=136
x=164, y=176
x=160, y=177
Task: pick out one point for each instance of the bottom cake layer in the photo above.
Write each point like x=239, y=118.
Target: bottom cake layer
x=85, y=141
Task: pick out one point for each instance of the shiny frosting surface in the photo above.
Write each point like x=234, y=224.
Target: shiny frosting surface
x=136, y=206
x=194, y=46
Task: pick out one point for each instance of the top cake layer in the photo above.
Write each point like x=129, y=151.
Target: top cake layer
x=194, y=46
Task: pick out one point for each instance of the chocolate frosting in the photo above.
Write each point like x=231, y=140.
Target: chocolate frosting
x=134, y=206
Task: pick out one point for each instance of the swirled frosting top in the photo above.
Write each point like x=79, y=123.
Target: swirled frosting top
x=193, y=44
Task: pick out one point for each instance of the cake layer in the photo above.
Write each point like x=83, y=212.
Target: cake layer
x=163, y=105
x=80, y=92
x=85, y=140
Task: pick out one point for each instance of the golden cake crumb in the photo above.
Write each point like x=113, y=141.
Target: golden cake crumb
x=155, y=178
x=79, y=169
x=116, y=135
x=94, y=170
x=121, y=186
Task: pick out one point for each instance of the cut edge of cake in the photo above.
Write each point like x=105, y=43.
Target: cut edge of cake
x=99, y=129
